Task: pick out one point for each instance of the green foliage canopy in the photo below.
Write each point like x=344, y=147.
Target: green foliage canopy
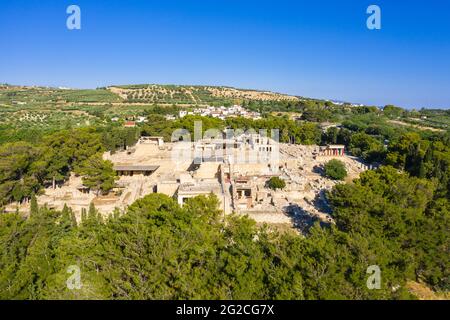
x=335, y=169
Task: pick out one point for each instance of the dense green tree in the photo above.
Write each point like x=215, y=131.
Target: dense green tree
x=34, y=208
x=119, y=138
x=275, y=183
x=317, y=115
x=335, y=169
x=330, y=136
x=367, y=147
x=393, y=111
x=98, y=174
x=18, y=180
x=398, y=210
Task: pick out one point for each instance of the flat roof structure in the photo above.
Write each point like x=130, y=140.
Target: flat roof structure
x=333, y=150
x=135, y=168
x=130, y=170
x=190, y=190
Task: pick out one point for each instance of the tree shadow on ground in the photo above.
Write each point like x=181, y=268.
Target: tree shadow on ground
x=301, y=219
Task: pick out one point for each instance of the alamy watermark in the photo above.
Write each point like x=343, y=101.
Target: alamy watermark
x=374, y=20
x=374, y=280
x=73, y=22
x=74, y=280
x=233, y=146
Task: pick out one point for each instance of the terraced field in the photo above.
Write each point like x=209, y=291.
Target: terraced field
x=201, y=95
x=46, y=108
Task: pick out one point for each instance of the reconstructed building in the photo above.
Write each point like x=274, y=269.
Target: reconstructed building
x=131, y=170
x=332, y=150
x=159, y=141
x=235, y=169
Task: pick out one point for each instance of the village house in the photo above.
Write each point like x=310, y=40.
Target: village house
x=129, y=124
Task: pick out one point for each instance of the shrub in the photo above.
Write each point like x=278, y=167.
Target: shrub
x=275, y=183
x=335, y=169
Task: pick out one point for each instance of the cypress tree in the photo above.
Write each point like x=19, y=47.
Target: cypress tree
x=83, y=215
x=34, y=208
x=73, y=218
x=92, y=214
x=66, y=221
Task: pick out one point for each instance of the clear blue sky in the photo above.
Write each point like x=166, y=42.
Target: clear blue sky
x=311, y=48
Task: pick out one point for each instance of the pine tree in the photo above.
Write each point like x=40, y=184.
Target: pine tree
x=83, y=215
x=34, y=208
x=73, y=218
x=66, y=220
x=92, y=213
x=422, y=171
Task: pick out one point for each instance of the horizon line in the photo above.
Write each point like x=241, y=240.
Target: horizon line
x=334, y=100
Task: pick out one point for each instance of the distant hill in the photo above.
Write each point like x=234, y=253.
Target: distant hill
x=142, y=94
x=176, y=94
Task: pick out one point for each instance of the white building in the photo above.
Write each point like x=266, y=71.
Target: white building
x=182, y=113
